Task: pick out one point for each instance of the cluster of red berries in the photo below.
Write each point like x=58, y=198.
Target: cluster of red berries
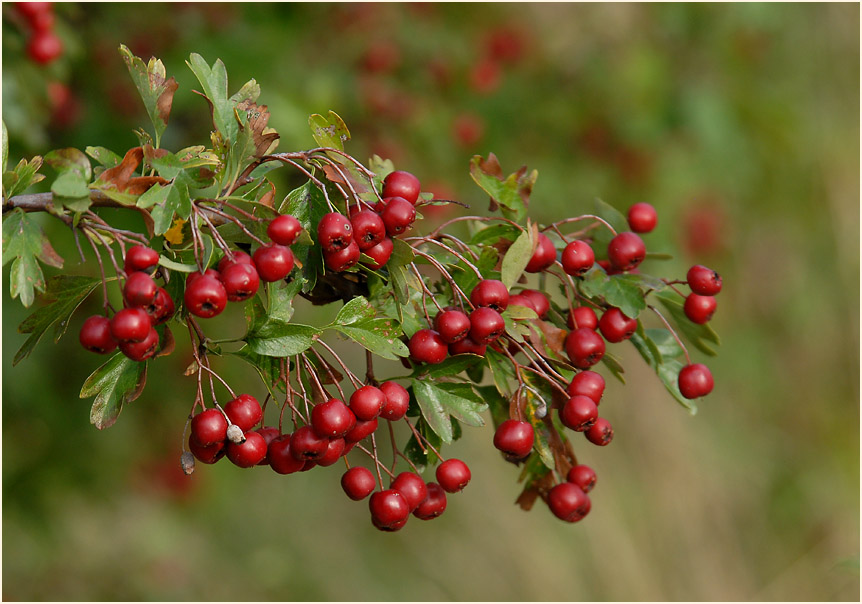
x=333, y=430
x=146, y=305
x=44, y=45
x=369, y=230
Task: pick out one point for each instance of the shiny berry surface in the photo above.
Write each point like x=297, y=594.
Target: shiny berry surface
x=401, y=184
x=95, y=335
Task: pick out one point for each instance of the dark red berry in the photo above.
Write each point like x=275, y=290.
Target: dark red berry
x=31, y=10
x=401, y=184
x=341, y=260
x=334, y=232
x=210, y=272
x=248, y=453
x=577, y=258
x=600, y=433
x=368, y=229
x=380, y=254
x=579, y=413
x=95, y=335
x=362, y=430
x=467, y=346
x=367, y=403
x=585, y=347
x=332, y=419
x=244, y=411
x=334, y=450
x=205, y=296
x=486, y=325
x=239, y=257
x=240, y=281
x=544, y=256
x=412, y=488
x=626, y=251
x=162, y=307
x=426, y=346
x=283, y=229
x=280, y=458
x=358, y=483
x=269, y=434
x=43, y=21
x=568, y=502
x=540, y=301
x=434, y=503
x=452, y=325
x=209, y=427
x=389, y=510
x=273, y=262
x=44, y=46
x=397, y=401
x=695, y=381
x=131, y=325
x=140, y=258
x=582, y=316
x=616, y=326
x=522, y=300
x=703, y=281
x=514, y=438
x=453, y=475
x=209, y=454
x=642, y=218
x=305, y=444
x=587, y=383
x=398, y=215
x=140, y=289
x=699, y=309
x=491, y=293
x=582, y=476
x=143, y=350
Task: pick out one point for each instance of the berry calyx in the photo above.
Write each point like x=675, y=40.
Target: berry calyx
x=244, y=411
x=453, y=475
x=140, y=258
x=568, y=502
x=699, y=309
x=544, y=256
x=367, y=403
x=491, y=293
x=240, y=281
x=582, y=476
x=368, y=229
x=398, y=215
x=401, y=184
x=389, y=510
x=397, y=401
x=626, y=251
x=334, y=232
x=358, y=482
x=703, y=281
x=427, y=346
x=486, y=325
x=283, y=229
x=579, y=413
x=434, y=503
x=273, y=262
x=585, y=347
x=616, y=326
x=332, y=419
x=587, y=383
x=452, y=325
x=695, y=380
x=514, y=438
x=95, y=335
x=600, y=433
x=208, y=427
x=577, y=258
x=582, y=316
x=205, y=296
x=642, y=217
x=130, y=325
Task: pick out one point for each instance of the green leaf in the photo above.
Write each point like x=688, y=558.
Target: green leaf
x=308, y=206
x=177, y=266
x=699, y=335
x=511, y=193
x=602, y=235
x=414, y=451
x=268, y=368
x=25, y=277
x=614, y=366
x=4, y=145
x=71, y=185
x=517, y=257
x=173, y=199
x=466, y=278
x=65, y=293
x=402, y=253
x=664, y=342
x=155, y=89
x=281, y=297
x=23, y=243
x=25, y=174
x=617, y=290
x=502, y=372
x=167, y=165
x=357, y=309
x=494, y=233
x=380, y=336
x=329, y=130
x=450, y=367
x=438, y=401
x=666, y=368
x=70, y=160
x=119, y=381
x=105, y=157
x=279, y=339
x=213, y=80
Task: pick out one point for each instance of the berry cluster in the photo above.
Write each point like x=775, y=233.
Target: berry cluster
x=43, y=45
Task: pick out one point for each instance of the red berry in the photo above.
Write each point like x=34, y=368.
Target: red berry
x=161, y=309
x=380, y=254
x=205, y=296
x=332, y=419
x=544, y=256
x=600, y=433
x=280, y=458
x=249, y=453
x=401, y=184
x=398, y=215
x=210, y=272
x=334, y=232
x=95, y=335
x=131, y=325
x=140, y=258
x=367, y=403
x=616, y=326
x=514, y=438
x=626, y=251
x=209, y=427
x=491, y=293
x=426, y=346
x=368, y=229
x=244, y=411
x=579, y=413
x=44, y=46
x=568, y=502
x=341, y=260
x=540, y=301
x=389, y=510
x=31, y=10
x=582, y=316
x=239, y=257
x=140, y=289
x=695, y=381
x=522, y=300
x=703, y=281
x=397, y=401
x=434, y=503
x=143, y=350
x=453, y=475
x=452, y=325
x=283, y=229
x=486, y=325
x=240, y=281
x=334, y=450
x=269, y=434
x=358, y=482
x=467, y=346
x=209, y=454
x=699, y=309
x=642, y=218
x=577, y=258
x=305, y=444
x=585, y=347
x=363, y=429
x=412, y=488
x=582, y=476
x=587, y=383
x=273, y=262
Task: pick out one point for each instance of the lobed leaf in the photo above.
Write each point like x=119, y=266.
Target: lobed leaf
x=155, y=89
x=380, y=336
x=308, y=205
x=437, y=401
x=511, y=193
x=119, y=381
x=329, y=130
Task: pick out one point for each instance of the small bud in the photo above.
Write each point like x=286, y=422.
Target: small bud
x=541, y=410
x=235, y=435
x=187, y=463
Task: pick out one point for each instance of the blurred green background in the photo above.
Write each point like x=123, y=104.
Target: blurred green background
x=738, y=122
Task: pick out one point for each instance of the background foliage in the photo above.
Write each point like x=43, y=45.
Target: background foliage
x=738, y=122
